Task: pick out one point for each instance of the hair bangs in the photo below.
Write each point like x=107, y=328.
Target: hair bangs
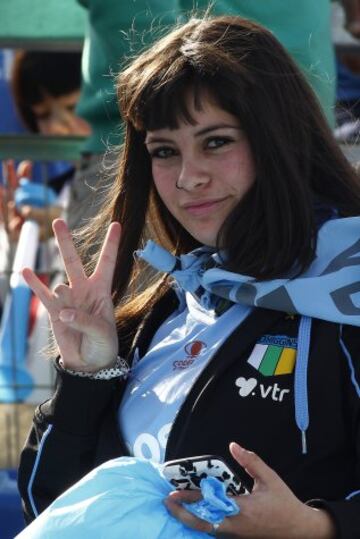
x=169, y=104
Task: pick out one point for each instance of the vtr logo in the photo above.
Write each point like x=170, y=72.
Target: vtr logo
x=247, y=387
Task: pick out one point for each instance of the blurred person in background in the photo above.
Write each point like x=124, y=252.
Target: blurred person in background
x=45, y=88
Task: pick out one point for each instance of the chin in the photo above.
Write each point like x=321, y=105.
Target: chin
x=205, y=237
x=205, y=240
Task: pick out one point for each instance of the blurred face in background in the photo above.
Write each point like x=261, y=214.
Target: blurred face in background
x=55, y=115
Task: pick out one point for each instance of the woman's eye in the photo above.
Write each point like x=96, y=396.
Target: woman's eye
x=162, y=153
x=217, y=142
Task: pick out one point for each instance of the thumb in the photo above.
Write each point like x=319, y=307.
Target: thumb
x=100, y=347
x=252, y=464
x=24, y=170
x=88, y=324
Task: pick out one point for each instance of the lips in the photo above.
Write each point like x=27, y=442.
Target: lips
x=202, y=206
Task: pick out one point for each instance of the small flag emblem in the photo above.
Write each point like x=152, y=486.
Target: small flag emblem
x=274, y=355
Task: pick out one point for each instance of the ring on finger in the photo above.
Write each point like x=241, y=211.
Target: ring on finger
x=214, y=530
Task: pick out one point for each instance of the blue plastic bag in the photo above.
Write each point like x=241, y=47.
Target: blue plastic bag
x=121, y=499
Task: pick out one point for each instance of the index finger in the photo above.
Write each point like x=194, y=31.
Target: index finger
x=106, y=264
x=72, y=262
x=38, y=287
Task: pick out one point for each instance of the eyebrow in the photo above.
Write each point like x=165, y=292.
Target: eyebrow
x=203, y=131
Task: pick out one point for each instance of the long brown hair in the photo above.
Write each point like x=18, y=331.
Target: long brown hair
x=250, y=75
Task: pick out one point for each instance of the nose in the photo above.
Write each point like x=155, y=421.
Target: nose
x=53, y=126
x=193, y=175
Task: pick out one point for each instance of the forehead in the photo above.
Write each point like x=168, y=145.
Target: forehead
x=167, y=105
x=199, y=110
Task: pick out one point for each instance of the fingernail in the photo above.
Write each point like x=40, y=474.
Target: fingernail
x=236, y=448
x=67, y=315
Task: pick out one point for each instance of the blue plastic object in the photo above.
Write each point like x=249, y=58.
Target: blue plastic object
x=11, y=517
x=123, y=498
x=16, y=383
x=34, y=194
x=215, y=504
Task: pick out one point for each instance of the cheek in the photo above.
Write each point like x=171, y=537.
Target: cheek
x=248, y=163
x=164, y=184
x=240, y=171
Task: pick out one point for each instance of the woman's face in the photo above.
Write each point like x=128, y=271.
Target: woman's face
x=202, y=171
x=55, y=115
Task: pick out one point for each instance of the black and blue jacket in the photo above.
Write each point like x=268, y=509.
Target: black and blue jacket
x=312, y=441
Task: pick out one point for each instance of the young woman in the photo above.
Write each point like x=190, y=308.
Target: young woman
x=249, y=334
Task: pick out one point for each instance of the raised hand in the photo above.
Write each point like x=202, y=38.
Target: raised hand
x=9, y=216
x=12, y=217
x=82, y=313
x=271, y=511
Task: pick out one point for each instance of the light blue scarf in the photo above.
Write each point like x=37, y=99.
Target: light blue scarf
x=329, y=289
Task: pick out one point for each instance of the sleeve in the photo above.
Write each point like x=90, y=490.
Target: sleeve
x=346, y=513
x=76, y=430
x=119, y=369
x=62, y=444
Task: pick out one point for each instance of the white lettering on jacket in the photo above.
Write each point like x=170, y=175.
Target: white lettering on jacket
x=247, y=387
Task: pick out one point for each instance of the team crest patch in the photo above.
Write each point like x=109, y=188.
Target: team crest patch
x=274, y=355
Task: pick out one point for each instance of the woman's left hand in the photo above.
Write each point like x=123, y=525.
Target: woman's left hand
x=271, y=511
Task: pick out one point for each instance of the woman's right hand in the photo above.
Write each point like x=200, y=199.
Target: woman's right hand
x=82, y=312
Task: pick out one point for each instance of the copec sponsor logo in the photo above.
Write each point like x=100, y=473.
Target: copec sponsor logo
x=193, y=350
x=251, y=387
